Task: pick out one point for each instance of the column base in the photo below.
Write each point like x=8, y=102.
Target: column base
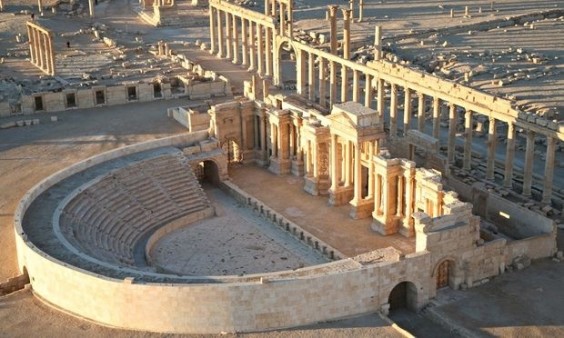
x=297, y=168
x=362, y=209
x=384, y=227
x=279, y=167
x=407, y=230
x=315, y=186
x=340, y=196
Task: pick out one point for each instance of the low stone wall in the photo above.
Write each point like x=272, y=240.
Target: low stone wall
x=270, y=214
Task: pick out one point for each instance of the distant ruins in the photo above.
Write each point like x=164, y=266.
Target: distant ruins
x=331, y=120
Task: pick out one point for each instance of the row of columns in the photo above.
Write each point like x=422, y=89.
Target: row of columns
x=251, y=46
x=41, y=48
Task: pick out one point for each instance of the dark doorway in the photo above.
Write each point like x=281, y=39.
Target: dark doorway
x=131, y=93
x=100, y=97
x=157, y=90
x=403, y=296
x=38, y=103
x=71, y=100
x=209, y=173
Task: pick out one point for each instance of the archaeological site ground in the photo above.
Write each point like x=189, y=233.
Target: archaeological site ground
x=281, y=168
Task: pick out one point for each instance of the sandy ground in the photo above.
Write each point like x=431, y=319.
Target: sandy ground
x=234, y=242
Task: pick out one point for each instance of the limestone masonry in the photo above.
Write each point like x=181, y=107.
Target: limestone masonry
x=397, y=149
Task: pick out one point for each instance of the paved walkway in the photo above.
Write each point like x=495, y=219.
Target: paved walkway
x=333, y=225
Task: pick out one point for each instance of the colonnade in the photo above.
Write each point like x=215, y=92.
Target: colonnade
x=326, y=78
x=41, y=48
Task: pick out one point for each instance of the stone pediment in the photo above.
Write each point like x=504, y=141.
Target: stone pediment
x=351, y=118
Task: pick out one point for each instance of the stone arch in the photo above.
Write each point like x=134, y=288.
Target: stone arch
x=210, y=171
x=404, y=295
x=285, y=66
x=444, y=273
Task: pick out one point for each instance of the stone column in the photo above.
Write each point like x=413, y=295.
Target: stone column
x=399, y=195
x=40, y=48
x=468, y=129
x=421, y=112
x=436, y=117
x=260, y=53
x=245, y=42
x=351, y=8
x=322, y=83
x=347, y=15
x=256, y=131
x=368, y=91
x=252, y=52
x=377, y=195
x=311, y=76
x=360, y=10
x=393, y=110
x=371, y=170
x=301, y=73
x=378, y=43
x=220, y=39
x=263, y=135
x=91, y=8
x=334, y=181
x=51, y=53
x=408, y=197
x=213, y=32
x=282, y=19
x=381, y=99
x=31, y=39
x=509, y=156
x=40, y=6
x=267, y=7
x=235, y=35
x=228, y=42
x=268, y=50
x=451, y=133
x=407, y=110
x=492, y=140
x=356, y=96
x=357, y=195
x=332, y=83
x=529, y=157
x=344, y=83
x=274, y=140
x=549, y=169
x=333, y=28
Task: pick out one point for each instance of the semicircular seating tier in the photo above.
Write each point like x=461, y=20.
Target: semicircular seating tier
x=111, y=217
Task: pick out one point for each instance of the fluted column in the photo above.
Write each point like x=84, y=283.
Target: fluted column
x=468, y=129
x=228, y=42
x=549, y=169
x=509, y=156
x=529, y=157
x=492, y=141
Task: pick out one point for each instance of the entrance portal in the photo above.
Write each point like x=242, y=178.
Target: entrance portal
x=403, y=296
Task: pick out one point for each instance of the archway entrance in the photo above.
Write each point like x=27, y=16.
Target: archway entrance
x=442, y=274
x=207, y=171
x=403, y=296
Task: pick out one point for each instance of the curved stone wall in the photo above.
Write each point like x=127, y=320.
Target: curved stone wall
x=210, y=304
